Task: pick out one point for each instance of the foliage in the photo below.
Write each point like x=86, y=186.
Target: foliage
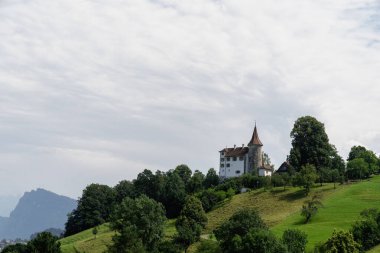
x=139, y=224
x=16, y=248
x=370, y=159
x=340, y=242
x=44, y=242
x=212, y=178
x=310, y=144
x=367, y=230
x=357, y=169
x=306, y=177
x=295, y=240
x=95, y=231
x=149, y=184
x=229, y=234
x=174, y=195
x=184, y=172
x=124, y=189
x=168, y=247
x=196, y=182
x=310, y=208
x=260, y=241
x=190, y=222
x=94, y=208
x=208, y=246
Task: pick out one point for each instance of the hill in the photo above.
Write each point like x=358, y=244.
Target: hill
x=36, y=211
x=279, y=208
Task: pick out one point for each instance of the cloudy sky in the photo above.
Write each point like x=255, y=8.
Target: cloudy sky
x=97, y=90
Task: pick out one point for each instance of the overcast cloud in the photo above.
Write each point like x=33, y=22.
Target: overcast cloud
x=97, y=90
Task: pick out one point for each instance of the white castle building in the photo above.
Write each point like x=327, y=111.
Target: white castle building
x=237, y=161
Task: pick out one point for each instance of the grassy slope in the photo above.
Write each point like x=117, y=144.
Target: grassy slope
x=85, y=241
x=339, y=212
x=280, y=209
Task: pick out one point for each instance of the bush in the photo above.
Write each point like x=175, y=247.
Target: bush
x=295, y=240
x=340, y=242
x=208, y=246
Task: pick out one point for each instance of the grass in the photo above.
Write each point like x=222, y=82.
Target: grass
x=280, y=209
x=85, y=242
x=340, y=211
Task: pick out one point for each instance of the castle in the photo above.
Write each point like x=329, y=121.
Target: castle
x=237, y=161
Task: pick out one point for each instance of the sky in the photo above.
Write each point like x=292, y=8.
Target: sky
x=95, y=91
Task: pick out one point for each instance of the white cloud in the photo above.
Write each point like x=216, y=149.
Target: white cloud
x=95, y=91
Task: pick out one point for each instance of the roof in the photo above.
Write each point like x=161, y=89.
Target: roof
x=235, y=152
x=284, y=167
x=255, y=140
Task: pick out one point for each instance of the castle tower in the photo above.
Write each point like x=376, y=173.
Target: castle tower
x=255, y=158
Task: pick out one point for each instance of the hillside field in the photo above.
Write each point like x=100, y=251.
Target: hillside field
x=280, y=209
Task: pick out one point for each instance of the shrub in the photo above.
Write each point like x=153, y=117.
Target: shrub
x=295, y=240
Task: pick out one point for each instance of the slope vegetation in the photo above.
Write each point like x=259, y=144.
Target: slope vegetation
x=279, y=208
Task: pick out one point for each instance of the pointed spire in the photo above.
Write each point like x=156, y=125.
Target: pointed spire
x=255, y=138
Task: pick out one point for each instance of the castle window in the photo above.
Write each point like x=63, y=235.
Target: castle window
x=221, y=165
x=234, y=158
x=222, y=153
x=222, y=159
x=238, y=172
x=228, y=165
x=241, y=158
x=228, y=159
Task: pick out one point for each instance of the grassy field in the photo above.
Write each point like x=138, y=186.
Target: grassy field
x=340, y=211
x=280, y=209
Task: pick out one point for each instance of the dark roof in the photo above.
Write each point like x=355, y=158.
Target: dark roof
x=284, y=167
x=255, y=140
x=235, y=152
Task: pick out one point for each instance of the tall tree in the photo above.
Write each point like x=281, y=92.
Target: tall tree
x=124, y=189
x=184, y=172
x=174, y=194
x=94, y=208
x=139, y=224
x=44, y=242
x=212, y=178
x=310, y=144
x=368, y=156
x=190, y=222
x=196, y=182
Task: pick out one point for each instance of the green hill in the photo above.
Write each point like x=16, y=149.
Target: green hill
x=279, y=208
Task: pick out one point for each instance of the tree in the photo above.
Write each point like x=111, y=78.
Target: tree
x=261, y=241
x=310, y=144
x=310, y=208
x=357, y=169
x=184, y=172
x=366, y=231
x=306, y=177
x=124, y=189
x=16, y=248
x=212, y=179
x=139, y=224
x=334, y=175
x=368, y=156
x=190, y=222
x=196, y=182
x=44, y=242
x=295, y=240
x=230, y=233
x=146, y=184
x=95, y=231
x=173, y=195
x=341, y=242
x=94, y=208
x=208, y=246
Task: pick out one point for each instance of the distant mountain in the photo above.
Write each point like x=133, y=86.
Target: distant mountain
x=36, y=211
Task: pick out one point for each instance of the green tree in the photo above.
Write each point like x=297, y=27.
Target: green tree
x=44, y=242
x=310, y=208
x=173, y=195
x=368, y=156
x=231, y=232
x=261, y=241
x=95, y=231
x=306, y=177
x=208, y=246
x=139, y=224
x=94, y=208
x=357, y=169
x=340, y=242
x=16, y=248
x=212, y=178
x=295, y=240
x=366, y=231
x=310, y=144
x=148, y=184
x=335, y=176
x=196, y=182
x=190, y=222
x=124, y=189
x=184, y=172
